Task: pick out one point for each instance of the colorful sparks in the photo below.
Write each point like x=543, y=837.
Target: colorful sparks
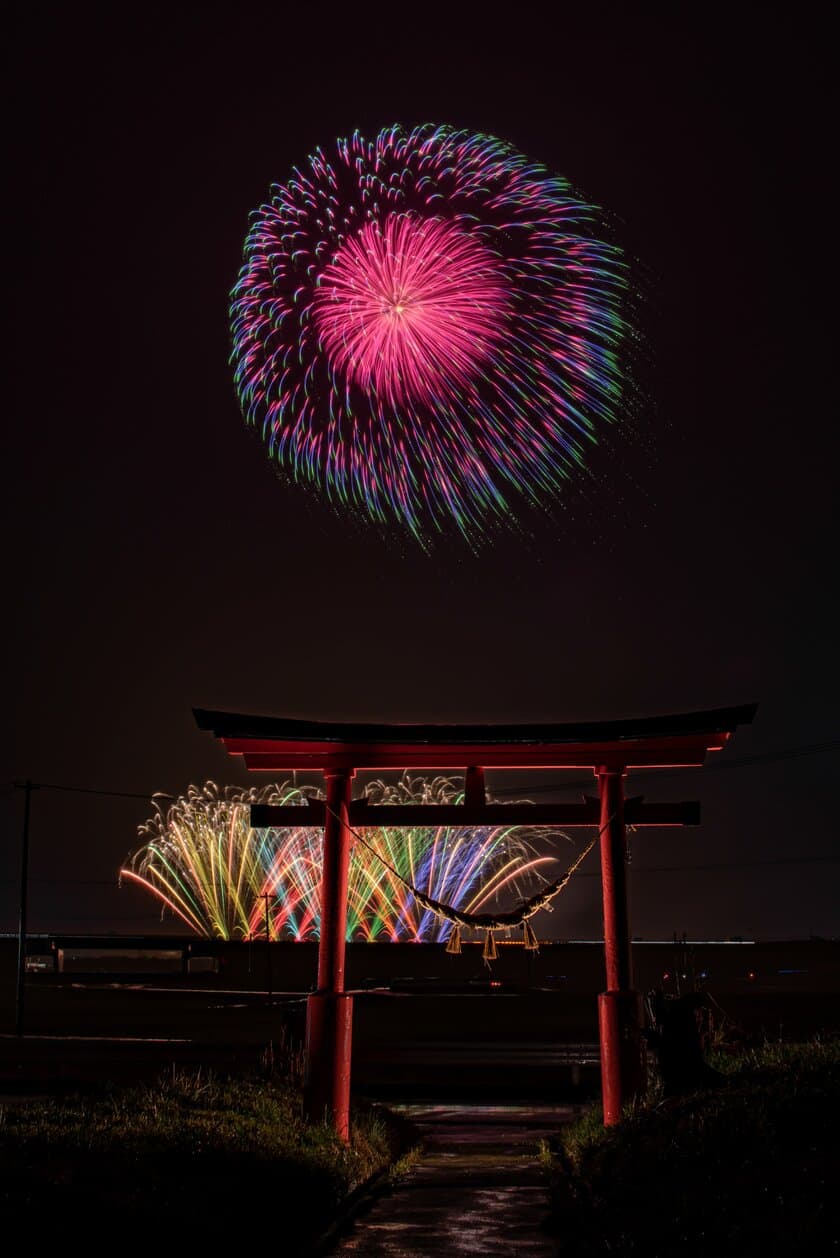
x=205, y=864
x=426, y=327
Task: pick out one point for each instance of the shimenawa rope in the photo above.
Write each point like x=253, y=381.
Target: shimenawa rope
x=485, y=921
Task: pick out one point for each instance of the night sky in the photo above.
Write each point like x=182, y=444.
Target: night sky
x=158, y=563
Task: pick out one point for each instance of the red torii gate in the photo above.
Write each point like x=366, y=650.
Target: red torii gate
x=610, y=748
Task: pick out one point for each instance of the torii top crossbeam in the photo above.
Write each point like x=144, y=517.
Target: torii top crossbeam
x=276, y=743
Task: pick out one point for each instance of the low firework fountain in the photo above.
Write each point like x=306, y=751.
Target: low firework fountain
x=205, y=864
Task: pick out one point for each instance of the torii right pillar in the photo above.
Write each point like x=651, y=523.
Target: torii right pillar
x=619, y=1007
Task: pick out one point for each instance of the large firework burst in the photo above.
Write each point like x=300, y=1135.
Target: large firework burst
x=426, y=325
x=204, y=863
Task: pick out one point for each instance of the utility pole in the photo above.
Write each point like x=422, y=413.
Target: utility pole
x=27, y=787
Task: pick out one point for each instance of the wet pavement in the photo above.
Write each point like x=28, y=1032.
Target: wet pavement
x=478, y=1189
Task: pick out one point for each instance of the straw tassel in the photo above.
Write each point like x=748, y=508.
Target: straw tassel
x=453, y=943
x=532, y=944
x=489, y=953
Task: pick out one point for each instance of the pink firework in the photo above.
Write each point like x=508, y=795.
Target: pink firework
x=426, y=329
x=410, y=308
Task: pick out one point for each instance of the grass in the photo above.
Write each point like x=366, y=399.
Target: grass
x=192, y=1155
x=749, y=1167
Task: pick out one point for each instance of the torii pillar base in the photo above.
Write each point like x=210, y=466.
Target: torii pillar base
x=329, y=1042
x=622, y=1051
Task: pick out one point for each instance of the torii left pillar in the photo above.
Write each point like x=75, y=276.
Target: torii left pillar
x=329, y=1011
x=619, y=1013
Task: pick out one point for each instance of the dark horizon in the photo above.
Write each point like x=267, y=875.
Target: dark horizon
x=158, y=564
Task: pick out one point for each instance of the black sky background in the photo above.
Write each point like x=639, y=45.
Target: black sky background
x=155, y=562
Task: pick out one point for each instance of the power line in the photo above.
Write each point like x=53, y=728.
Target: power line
x=743, y=762
x=76, y=882
x=679, y=869
x=92, y=790
x=104, y=917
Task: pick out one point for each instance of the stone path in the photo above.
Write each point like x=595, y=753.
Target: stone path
x=478, y=1189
